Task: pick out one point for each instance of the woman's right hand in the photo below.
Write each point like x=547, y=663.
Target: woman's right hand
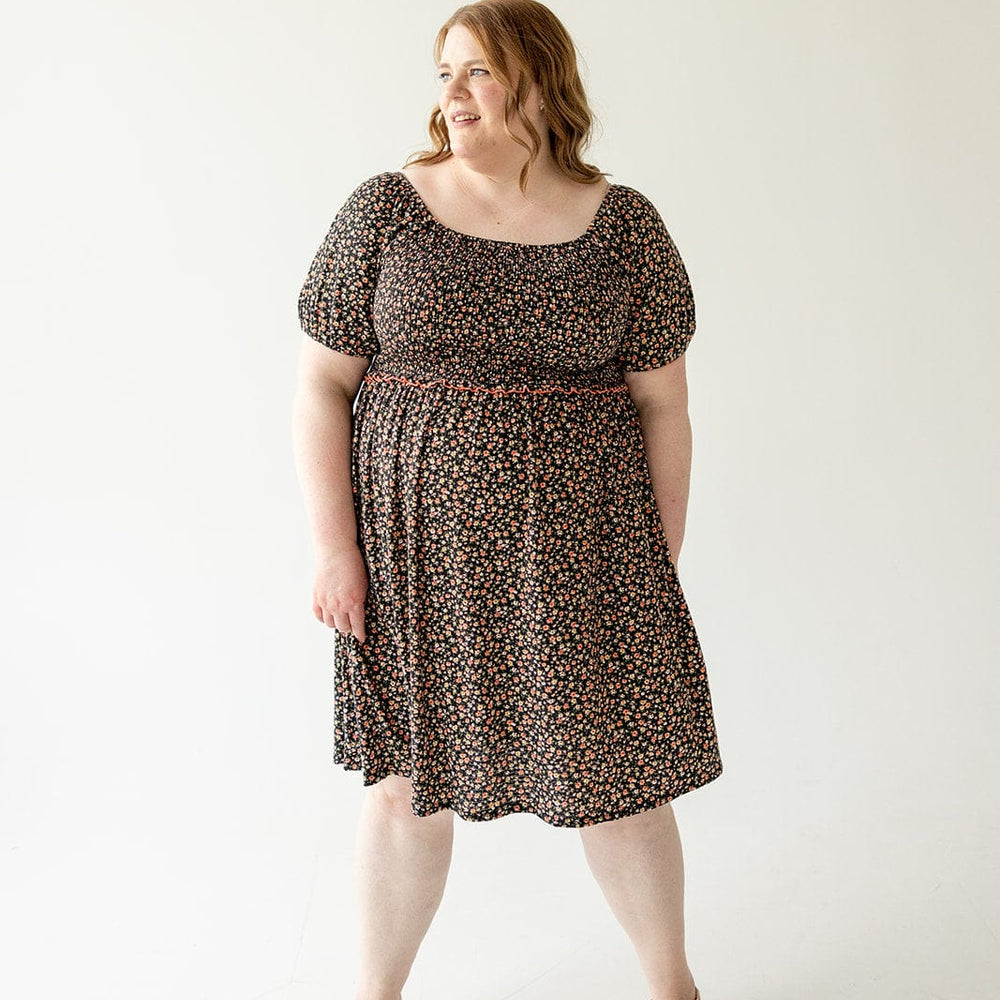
x=339, y=590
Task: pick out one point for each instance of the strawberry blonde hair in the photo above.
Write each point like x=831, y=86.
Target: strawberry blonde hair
x=524, y=42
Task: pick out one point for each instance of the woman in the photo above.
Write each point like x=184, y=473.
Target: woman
x=493, y=444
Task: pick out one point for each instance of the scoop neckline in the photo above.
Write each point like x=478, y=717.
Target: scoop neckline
x=506, y=243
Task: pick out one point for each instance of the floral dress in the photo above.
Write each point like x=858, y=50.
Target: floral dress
x=528, y=647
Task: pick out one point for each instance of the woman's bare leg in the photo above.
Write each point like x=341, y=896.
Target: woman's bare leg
x=639, y=865
x=401, y=866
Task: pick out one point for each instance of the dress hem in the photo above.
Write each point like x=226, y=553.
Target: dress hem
x=552, y=819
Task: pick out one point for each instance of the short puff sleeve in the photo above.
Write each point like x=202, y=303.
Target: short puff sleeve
x=335, y=304
x=661, y=317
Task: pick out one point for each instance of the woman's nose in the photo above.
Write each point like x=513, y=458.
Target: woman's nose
x=454, y=88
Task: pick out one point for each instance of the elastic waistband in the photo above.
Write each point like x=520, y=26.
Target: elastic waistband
x=495, y=378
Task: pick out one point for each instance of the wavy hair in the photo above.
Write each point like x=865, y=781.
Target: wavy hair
x=524, y=42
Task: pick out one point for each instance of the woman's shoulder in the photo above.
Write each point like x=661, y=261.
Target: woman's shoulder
x=638, y=234
x=638, y=223
x=377, y=206
x=634, y=206
x=377, y=192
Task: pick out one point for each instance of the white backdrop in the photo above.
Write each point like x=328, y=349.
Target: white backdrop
x=172, y=825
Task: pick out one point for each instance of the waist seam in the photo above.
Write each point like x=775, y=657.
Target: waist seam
x=442, y=383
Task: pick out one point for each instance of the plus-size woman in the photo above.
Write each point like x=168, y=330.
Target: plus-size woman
x=494, y=448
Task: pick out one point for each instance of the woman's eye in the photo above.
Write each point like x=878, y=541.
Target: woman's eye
x=443, y=76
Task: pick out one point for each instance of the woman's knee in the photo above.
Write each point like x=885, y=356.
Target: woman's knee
x=394, y=795
x=638, y=826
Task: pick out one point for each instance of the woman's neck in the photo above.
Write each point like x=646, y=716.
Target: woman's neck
x=498, y=184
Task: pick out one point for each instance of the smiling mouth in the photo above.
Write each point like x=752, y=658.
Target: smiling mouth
x=463, y=117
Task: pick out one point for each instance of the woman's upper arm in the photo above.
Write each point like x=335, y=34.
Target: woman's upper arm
x=661, y=321
x=665, y=386
x=322, y=369
x=336, y=302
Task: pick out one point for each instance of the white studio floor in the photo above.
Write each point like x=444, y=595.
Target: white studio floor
x=829, y=899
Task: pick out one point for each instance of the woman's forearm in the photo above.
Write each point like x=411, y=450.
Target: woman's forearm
x=321, y=425
x=666, y=432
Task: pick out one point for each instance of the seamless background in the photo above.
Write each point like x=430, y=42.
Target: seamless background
x=172, y=825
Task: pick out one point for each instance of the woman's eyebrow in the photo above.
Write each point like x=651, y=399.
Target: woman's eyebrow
x=468, y=62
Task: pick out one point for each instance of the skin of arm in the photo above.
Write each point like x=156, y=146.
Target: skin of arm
x=328, y=382
x=661, y=400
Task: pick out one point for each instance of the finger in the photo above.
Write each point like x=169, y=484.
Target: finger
x=318, y=612
x=342, y=622
x=358, y=625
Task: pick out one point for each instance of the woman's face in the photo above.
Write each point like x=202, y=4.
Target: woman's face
x=472, y=101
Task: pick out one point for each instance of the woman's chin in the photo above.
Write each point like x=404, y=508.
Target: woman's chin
x=462, y=148
x=482, y=157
